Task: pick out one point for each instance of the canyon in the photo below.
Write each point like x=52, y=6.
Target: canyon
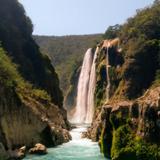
x=109, y=105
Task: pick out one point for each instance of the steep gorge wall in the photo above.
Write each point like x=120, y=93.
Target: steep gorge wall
x=127, y=127
x=31, y=102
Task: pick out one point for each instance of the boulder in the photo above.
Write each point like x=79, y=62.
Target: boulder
x=17, y=153
x=38, y=149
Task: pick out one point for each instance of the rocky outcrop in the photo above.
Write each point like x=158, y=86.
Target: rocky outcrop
x=122, y=126
x=38, y=149
x=17, y=154
x=27, y=119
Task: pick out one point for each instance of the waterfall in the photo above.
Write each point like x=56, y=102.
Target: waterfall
x=107, y=70
x=83, y=87
x=86, y=88
x=92, y=84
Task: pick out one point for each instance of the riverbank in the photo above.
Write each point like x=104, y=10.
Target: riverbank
x=77, y=149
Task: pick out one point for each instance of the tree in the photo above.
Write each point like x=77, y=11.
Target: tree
x=112, y=32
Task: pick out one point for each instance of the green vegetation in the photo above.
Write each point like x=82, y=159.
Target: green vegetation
x=16, y=39
x=112, y=32
x=126, y=145
x=11, y=80
x=137, y=67
x=141, y=49
x=116, y=60
x=9, y=76
x=137, y=70
x=66, y=53
x=119, y=140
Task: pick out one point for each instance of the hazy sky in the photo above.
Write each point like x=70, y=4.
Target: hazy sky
x=65, y=17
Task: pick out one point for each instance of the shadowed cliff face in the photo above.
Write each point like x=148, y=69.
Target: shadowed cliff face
x=70, y=99
x=16, y=38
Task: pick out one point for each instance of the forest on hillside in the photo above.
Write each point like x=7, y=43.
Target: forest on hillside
x=66, y=53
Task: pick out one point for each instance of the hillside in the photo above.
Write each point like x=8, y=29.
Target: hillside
x=16, y=39
x=127, y=125
x=66, y=53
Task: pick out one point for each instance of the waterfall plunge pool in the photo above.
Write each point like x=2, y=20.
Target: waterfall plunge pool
x=77, y=149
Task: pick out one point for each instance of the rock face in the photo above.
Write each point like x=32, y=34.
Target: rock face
x=27, y=121
x=38, y=149
x=31, y=102
x=121, y=126
x=70, y=99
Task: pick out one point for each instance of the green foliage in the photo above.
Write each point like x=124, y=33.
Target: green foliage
x=125, y=146
x=121, y=137
x=16, y=38
x=66, y=53
x=9, y=76
x=41, y=94
x=140, y=43
x=141, y=51
x=112, y=32
x=101, y=85
x=11, y=79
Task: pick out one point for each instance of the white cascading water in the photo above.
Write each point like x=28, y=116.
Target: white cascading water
x=92, y=84
x=79, y=148
x=82, y=91
x=107, y=71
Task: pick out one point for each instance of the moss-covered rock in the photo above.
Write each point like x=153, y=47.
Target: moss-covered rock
x=130, y=128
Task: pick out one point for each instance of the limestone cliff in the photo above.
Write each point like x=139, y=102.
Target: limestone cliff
x=127, y=126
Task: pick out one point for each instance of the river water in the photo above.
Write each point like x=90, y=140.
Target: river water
x=77, y=149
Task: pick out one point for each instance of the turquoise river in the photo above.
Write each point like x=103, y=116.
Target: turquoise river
x=77, y=149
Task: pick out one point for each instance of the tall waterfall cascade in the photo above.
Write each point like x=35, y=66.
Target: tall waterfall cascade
x=92, y=85
x=85, y=91
x=82, y=90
